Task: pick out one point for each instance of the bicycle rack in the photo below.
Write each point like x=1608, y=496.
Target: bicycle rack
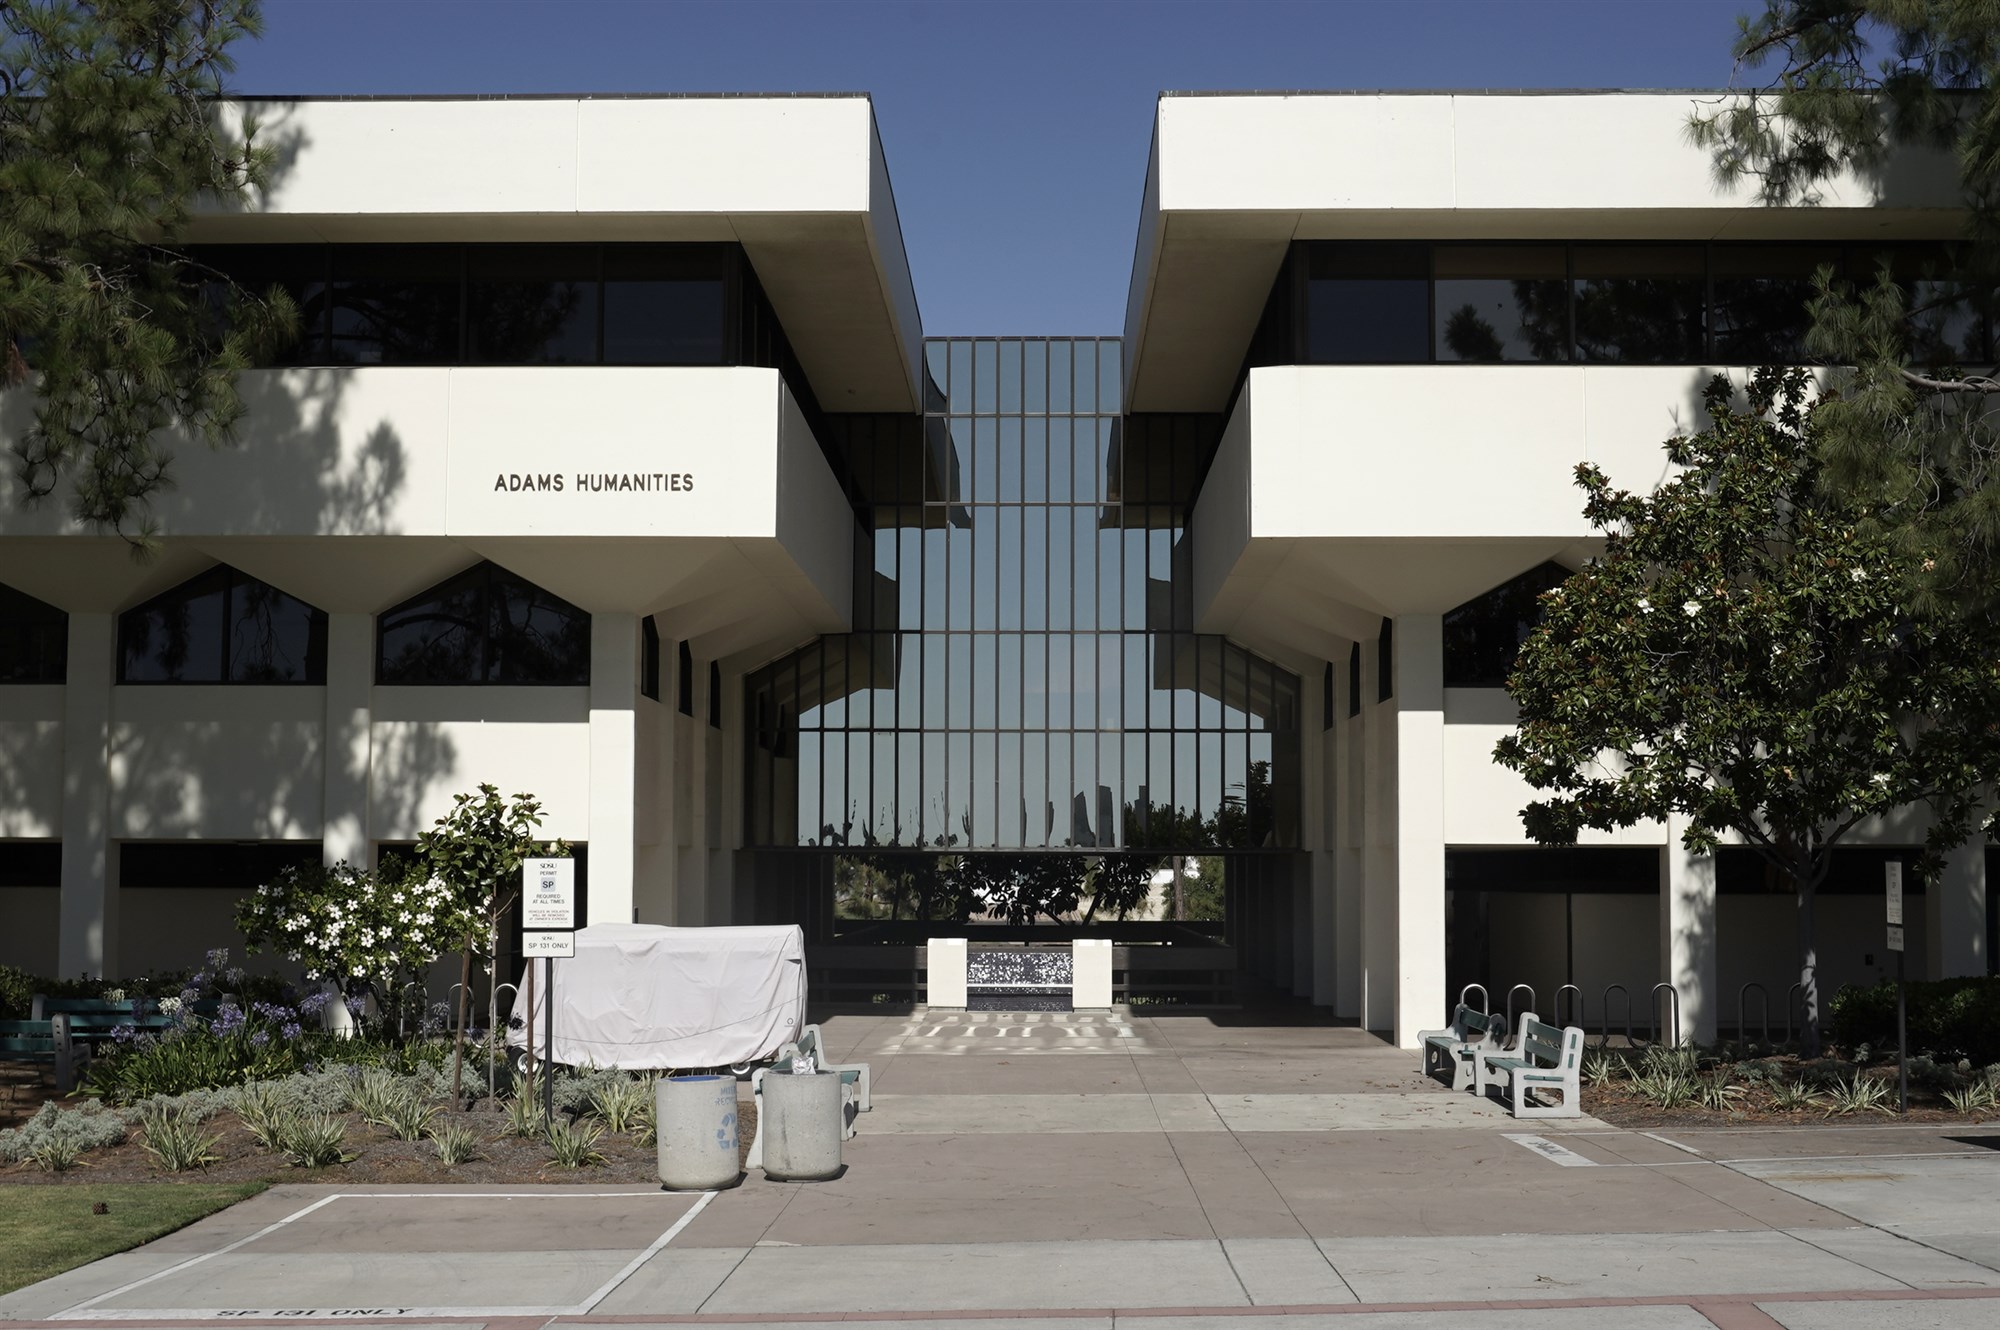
x=492, y=1029
x=1794, y=1033
x=1512, y=1024
x=1485, y=1002
x=1673, y=1005
x=1630, y=1041
x=1578, y=1013
x=1763, y=1001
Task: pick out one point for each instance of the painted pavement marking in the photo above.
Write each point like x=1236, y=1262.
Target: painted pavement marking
x=1550, y=1151
x=87, y=1310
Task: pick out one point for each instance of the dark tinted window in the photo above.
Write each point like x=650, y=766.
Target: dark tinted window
x=684, y=680
x=223, y=864
x=396, y=304
x=1639, y=304
x=34, y=640
x=1760, y=301
x=300, y=271
x=649, y=658
x=484, y=626
x=1501, y=302
x=1385, y=662
x=1482, y=636
x=222, y=627
x=532, y=304
x=662, y=307
x=1950, y=321
x=1368, y=304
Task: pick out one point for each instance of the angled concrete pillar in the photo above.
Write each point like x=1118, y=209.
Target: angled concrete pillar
x=1419, y=721
x=1377, y=852
x=1688, y=936
x=1349, y=784
x=1955, y=915
x=87, y=939
x=350, y=678
x=614, y=697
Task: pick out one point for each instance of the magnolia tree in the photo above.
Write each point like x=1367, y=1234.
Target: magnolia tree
x=1741, y=655
x=475, y=851
x=363, y=932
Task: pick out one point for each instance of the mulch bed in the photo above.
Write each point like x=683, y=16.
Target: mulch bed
x=1618, y=1104
x=378, y=1157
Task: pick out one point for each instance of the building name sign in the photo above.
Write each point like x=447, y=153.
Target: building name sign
x=594, y=482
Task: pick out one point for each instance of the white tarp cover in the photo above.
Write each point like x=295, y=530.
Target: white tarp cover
x=646, y=997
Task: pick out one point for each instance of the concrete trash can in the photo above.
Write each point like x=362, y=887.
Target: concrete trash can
x=695, y=1118
x=800, y=1118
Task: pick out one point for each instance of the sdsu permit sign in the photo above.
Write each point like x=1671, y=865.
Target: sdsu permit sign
x=548, y=893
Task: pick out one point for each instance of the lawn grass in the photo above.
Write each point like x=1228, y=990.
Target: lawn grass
x=47, y=1230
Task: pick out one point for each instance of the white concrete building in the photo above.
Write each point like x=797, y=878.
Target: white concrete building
x=612, y=465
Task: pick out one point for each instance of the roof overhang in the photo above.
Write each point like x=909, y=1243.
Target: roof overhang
x=800, y=182
x=1234, y=179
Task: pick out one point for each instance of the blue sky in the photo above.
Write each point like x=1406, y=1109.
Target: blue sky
x=1016, y=132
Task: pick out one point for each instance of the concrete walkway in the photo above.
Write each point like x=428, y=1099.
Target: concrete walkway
x=1082, y=1170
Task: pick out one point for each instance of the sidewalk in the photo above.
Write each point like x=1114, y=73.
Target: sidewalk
x=1084, y=1170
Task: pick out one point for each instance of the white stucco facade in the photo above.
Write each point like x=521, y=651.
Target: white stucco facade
x=1342, y=501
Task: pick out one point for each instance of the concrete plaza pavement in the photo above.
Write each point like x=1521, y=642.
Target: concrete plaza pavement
x=1081, y=1169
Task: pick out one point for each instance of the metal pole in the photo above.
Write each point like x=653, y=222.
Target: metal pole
x=528, y=1063
x=548, y=1041
x=1902, y=1044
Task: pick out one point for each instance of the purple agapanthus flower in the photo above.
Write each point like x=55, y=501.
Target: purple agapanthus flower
x=312, y=1004
x=259, y=1039
x=356, y=1004
x=290, y=1030
x=228, y=1019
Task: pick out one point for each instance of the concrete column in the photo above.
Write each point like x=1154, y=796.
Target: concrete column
x=88, y=929
x=1955, y=915
x=350, y=679
x=1090, y=974
x=1688, y=935
x=1377, y=930
x=1348, y=786
x=1419, y=717
x=614, y=697
x=944, y=972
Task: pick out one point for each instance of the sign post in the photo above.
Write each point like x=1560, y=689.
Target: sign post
x=548, y=930
x=1892, y=886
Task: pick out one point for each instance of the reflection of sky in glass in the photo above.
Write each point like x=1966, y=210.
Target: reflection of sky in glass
x=1022, y=659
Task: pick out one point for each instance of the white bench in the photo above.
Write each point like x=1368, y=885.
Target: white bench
x=1545, y=1058
x=1472, y=1032
x=854, y=1095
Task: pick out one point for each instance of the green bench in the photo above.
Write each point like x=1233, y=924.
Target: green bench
x=1472, y=1032
x=854, y=1095
x=1545, y=1058
x=45, y=1041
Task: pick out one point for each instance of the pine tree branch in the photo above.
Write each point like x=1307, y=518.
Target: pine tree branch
x=1980, y=384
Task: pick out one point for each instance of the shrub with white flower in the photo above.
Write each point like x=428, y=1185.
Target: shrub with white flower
x=342, y=924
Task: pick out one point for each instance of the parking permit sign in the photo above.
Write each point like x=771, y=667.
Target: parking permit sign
x=548, y=894
x=1892, y=884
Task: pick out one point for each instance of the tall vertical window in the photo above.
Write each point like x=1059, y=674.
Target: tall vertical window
x=483, y=626
x=34, y=639
x=1385, y=661
x=684, y=680
x=1024, y=672
x=649, y=658
x=223, y=626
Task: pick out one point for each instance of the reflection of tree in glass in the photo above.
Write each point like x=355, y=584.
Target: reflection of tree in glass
x=514, y=322
x=268, y=634
x=536, y=636
x=1638, y=320
x=1469, y=337
x=391, y=321
x=1482, y=636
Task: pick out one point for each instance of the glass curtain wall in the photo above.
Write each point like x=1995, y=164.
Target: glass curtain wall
x=1024, y=675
